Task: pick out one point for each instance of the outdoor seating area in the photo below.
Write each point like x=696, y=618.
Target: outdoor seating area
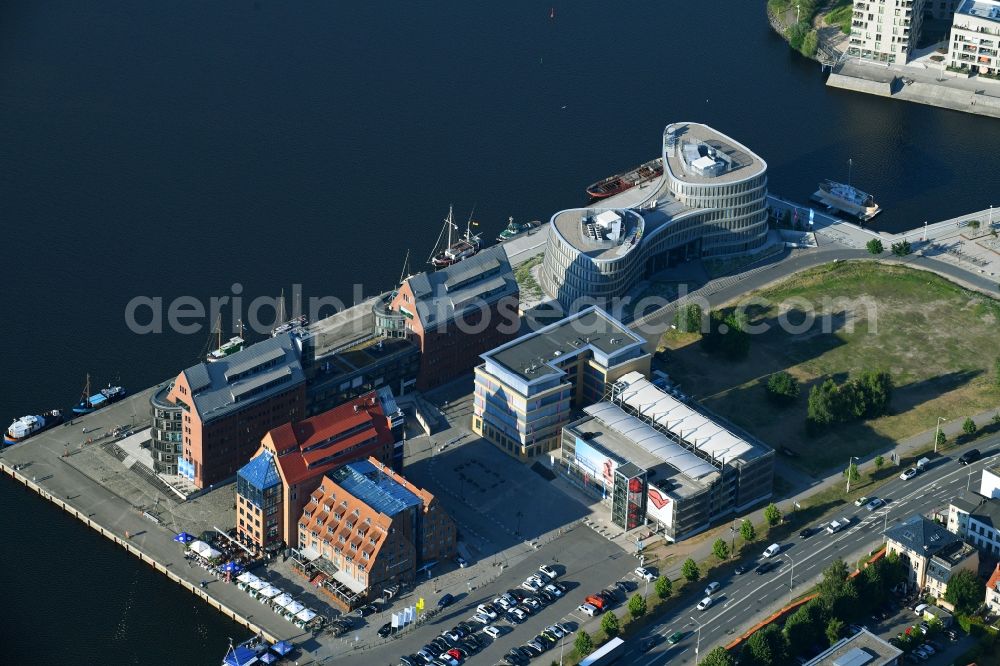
x=217, y=552
x=280, y=602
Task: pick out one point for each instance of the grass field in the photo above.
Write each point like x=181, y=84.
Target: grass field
x=841, y=15
x=938, y=340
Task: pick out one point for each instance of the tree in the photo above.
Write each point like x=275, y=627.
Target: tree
x=810, y=43
x=940, y=438
x=833, y=580
x=664, y=587
x=718, y=657
x=875, y=389
x=584, y=644
x=688, y=318
x=902, y=248
x=772, y=514
x=637, y=606
x=820, y=408
x=609, y=623
x=690, y=570
x=765, y=647
x=852, y=472
x=727, y=335
x=747, y=531
x=834, y=629
x=969, y=427
x=879, y=461
x=797, y=35
x=965, y=591
x=782, y=388
x=804, y=627
x=875, y=246
x=721, y=549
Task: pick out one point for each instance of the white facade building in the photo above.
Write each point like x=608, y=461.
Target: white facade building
x=975, y=36
x=885, y=30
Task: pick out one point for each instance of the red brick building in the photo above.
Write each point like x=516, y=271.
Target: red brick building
x=273, y=488
x=374, y=529
x=458, y=313
x=227, y=406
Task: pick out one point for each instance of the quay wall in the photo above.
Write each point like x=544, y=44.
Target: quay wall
x=137, y=552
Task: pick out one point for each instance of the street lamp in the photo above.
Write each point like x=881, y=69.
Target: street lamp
x=849, y=463
x=937, y=429
x=697, y=645
x=791, y=577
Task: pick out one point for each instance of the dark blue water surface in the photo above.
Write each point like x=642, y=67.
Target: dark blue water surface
x=176, y=148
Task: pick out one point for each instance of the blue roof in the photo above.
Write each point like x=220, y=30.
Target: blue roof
x=375, y=488
x=261, y=472
x=241, y=656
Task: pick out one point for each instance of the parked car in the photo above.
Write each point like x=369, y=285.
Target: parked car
x=645, y=574
x=488, y=610
x=626, y=586
x=712, y=587
x=545, y=596
x=705, y=604
x=533, y=603
x=588, y=609
x=555, y=630
x=445, y=601
x=491, y=631
x=460, y=561
x=385, y=630
x=553, y=590
x=874, y=503
x=908, y=474
x=548, y=571
x=970, y=456
x=365, y=611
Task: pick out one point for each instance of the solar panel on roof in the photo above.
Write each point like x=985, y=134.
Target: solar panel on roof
x=854, y=657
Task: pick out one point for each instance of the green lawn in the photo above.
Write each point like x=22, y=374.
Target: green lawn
x=841, y=15
x=525, y=280
x=938, y=340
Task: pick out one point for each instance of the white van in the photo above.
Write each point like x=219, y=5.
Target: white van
x=772, y=550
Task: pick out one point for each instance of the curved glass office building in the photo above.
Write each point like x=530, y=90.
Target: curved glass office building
x=711, y=201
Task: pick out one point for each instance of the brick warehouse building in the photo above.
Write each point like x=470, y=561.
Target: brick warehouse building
x=457, y=313
x=370, y=528
x=227, y=406
x=273, y=488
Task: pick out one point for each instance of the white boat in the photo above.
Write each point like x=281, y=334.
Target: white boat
x=847, y=199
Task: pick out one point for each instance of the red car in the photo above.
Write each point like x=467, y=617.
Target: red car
x=454, y=654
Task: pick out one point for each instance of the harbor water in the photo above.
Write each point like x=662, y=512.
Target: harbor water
x=195, y=149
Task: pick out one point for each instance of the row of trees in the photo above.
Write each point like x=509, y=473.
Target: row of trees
x=899, y=249
x=867, y=396
x=822, y=620
x=721, y=333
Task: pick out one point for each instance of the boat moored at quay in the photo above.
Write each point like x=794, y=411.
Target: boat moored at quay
x=26, y=426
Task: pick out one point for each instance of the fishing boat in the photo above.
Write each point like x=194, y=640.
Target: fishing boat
x=620, y=182
x=515, y=229
x=847, y=199
x=106, y=396
x=26, y=426
x=466, y=246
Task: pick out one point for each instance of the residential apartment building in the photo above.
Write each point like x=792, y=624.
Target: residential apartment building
x=931, y=553
x=370, y=528
x=989, y=486
x=885, y=30
x=455, y=314
x=977, y=520
x=993, y=591
x=526, y=389
x=975, y=38
x=224, y=409
x=274, y=487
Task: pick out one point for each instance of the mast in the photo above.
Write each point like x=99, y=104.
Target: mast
x=850, y=167
x=448, y=224
x=281, y=308
x=218, y=329
x=406, y=266
x=451, y=225
x=85, y=400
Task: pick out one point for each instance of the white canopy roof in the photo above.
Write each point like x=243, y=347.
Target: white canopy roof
x=204, y=550
x=294, y=607
x=283, y=600
x=656, y=405
x=257, y=585
x=270, y=591
x=305, y=615
x=246, y=577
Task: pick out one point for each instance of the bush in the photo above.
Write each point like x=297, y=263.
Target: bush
x=834, y=630
x=809, y=44
x=583, y=644
x=797, y=34
x=748, y=531
x=782, y=388
x=726, y=335
x=867, y=396
x=610, y=626
x=875, y=246
x=637, y=606
x=719, y=657
x=690, y=570
x=688, y=318
x=969, y=427
x=902, y=248
x=772, y=514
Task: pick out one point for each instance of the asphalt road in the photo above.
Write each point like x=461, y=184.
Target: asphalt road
x=744, y=600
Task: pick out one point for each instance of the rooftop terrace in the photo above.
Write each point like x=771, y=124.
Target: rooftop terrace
x=981, y=9
x=697, y=153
